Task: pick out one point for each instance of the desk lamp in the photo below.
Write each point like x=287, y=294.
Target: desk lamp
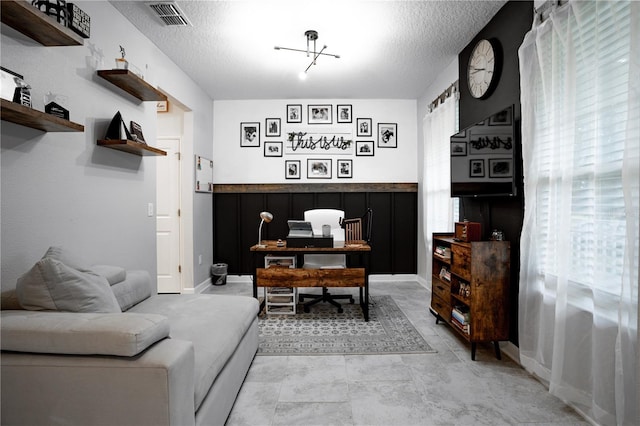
x=266, y=217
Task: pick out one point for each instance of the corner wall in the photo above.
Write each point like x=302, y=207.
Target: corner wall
x=61, y=188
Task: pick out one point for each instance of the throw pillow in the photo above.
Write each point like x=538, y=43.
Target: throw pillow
x=68, y=258
x=52, y=285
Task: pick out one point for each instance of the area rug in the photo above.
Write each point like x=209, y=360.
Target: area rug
x=324, y=331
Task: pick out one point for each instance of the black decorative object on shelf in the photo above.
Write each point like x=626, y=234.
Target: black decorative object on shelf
x=78, y=20
x=116, y=127
x=56, y=110
x=55, y=8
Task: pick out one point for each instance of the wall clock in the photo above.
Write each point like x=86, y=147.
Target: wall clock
x=482, y=70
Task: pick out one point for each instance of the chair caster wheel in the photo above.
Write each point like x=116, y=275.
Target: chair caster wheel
x=340, y=311
x=352, y=301
x=306, y=310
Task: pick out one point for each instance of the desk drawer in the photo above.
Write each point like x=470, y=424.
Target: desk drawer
x=286, y=277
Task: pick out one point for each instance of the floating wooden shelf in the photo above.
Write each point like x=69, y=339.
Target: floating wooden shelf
x=131, y=147
x=27, y=19
x=29, y=117
x=132, y=84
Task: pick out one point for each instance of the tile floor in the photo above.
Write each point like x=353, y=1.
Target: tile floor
x=444, y=388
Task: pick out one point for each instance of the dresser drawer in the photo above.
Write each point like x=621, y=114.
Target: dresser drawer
x=442, y=307
x=440, y=289
x=461, y=261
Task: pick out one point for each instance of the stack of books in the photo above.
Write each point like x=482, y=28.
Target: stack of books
x=444, y=252
x=460, y=318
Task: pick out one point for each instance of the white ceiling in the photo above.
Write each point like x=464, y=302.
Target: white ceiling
x=388, y=49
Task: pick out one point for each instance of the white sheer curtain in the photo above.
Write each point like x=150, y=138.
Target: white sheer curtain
x=438, y=127
x=578, y=307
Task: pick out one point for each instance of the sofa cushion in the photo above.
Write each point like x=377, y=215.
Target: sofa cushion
x=52, y=285
x=113, y=274
x=215, y=324
x=122, y=334
x=134, y=289
x=68, y=258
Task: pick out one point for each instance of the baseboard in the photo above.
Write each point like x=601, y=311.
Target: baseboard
x=204, y=285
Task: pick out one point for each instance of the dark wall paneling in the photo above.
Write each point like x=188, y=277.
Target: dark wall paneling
x=394, y=232
x=508, y=27
x=226, y=236
x=405, y=232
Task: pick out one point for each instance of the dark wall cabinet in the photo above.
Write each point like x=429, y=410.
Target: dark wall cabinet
x=236, y=210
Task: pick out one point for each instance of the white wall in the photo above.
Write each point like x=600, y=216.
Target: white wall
x=233, y=164
x=60, y=188
x=441, y=83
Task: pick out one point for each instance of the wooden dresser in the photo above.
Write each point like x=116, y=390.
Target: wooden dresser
x=470, y=285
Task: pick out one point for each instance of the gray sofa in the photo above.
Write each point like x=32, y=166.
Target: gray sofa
x=150, y=360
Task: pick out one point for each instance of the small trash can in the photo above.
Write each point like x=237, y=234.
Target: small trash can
x=219, y=274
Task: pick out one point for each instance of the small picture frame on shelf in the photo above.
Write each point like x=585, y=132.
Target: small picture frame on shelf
x=272, y=127
x=345, y=168
x=272, y=149
x=250, y=134
x=294, y=113
x=364, y=127
x=136, y=132
x=292, y=169
x=343, y=113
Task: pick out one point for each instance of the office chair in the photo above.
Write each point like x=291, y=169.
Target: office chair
x=319, y=217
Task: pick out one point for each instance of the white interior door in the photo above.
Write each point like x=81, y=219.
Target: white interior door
x=168, y=216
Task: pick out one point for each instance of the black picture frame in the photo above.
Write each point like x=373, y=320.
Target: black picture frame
x=458, y=149
x=319, y=168
x=344, y=113
x=250, y=134
x=500, y=167
x=476, y=168
x=387, y=135
x=272, y=149
x=344, y=169
x=272, y=127
x=294, y=113
x=292, y=169
x=365, y=149
x=320, y=114
x=364, y=127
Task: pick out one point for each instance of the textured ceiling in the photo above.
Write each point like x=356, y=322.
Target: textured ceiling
x=388, y=49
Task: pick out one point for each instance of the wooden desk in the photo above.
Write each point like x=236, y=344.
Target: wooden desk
x=298, y=277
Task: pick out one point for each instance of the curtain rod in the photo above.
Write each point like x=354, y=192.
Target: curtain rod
x=547, y=7
x=453, y=89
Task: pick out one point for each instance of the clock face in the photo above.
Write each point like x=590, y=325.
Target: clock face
x=481, y=69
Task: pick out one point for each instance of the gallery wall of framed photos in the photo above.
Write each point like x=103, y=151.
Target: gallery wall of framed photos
x=293, y=141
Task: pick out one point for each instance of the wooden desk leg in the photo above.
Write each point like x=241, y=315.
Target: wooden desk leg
x=365, y=308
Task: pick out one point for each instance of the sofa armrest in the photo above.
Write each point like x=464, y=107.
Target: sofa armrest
x=72, y=333
x=153, y=388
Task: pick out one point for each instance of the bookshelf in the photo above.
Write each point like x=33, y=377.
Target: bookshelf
x=470, y=288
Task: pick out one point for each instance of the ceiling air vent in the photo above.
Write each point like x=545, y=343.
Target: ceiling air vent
x=170, y=14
